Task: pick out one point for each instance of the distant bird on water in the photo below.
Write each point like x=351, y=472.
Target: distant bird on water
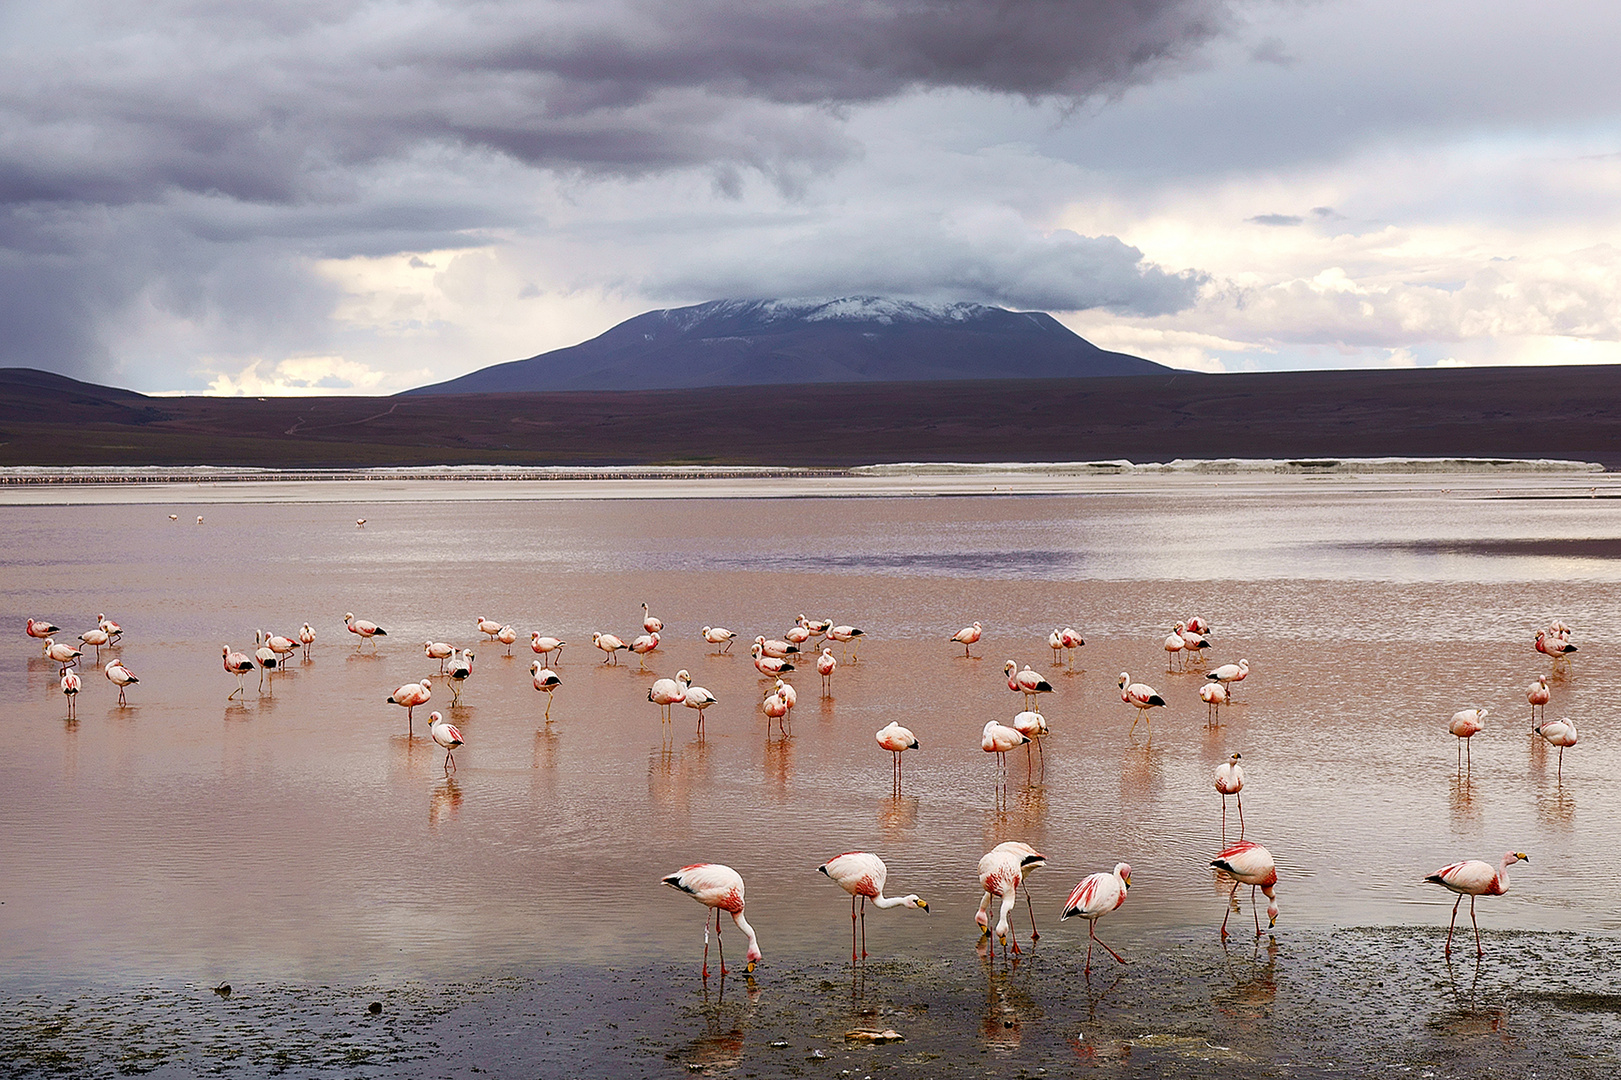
x=1030, y=860
x=697, y=697
x=62, y=653
x=608, y=644
x=461, y=669
x=546, y=681
x=769, y=666
x=545, y=646
x=862, y=874
x=1174, y=648
x=1465, y=725
x=1095, y=897
x=440, y=651
x=71, y=685
x=1560, y=733
x=446, y=735
x=1230, y=674
x=967, y=636
x=651, y=623
x=1230, y=781
x=1143, y=697
x=643, y=645
x=998, y=739
x=306, y=638
x=897, y=740
x=42, y=629
x=1248, y=863
x=1072, y=640
x=410, y=696
x=825, y=664
x=488, y=627
x=845, y=635
x=95, y=638
x=666, y=694
x=1033, y=726
x=1025, y=682
x=362, y=628
x=1555, y=648
x=720, y=888
x=1538, y=695
x=1473, y=879
x=121, y=677
x=1001, y=873
x=1214, y=695
x=719, y=635
x=506, y=637
x=238, y=664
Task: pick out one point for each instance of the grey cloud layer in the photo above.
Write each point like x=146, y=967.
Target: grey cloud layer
x=186, y=155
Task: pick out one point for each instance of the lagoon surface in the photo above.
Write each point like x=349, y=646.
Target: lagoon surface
x=301, y=843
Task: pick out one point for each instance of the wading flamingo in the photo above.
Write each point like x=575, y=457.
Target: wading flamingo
x=306, y=638
x=1472, y=879
x=862, y=874
x=897, y=740
x=775, y=709
x=824, y=667
x=697, y=697
x=440, y=651
x=1055, y=642
x=1030, y=860
x=283, y=647
x=998, y=739
x=1144, y=697
x=721, y=888
x=608, y=644
x=719, y=635
x=797, y=636
x=121, y=677
x=1174, y=647
x=42, y=628
x=1465, y=725
x=845, y=635
x=644, y=644
x=1560, y=733
x=1557, y=649
x=967, y=636
x=545, y=646
x=363, y=628
x=112, y=629
x=1538, y=695
x=488, y=627
x=1229, y=674
x=507, y=636
x=769, y=666
x=461, y=669
x=651, y=623
x=1248, y=863
x=666, y=694
x=71, y=684
x=267, y=660
x=410, y=696
x=1072, y=640
x=447, y=736
x=818, y=627
x=1026, y=682
x=779, y=650
x=238, y=664
x=96, y=639
x=1033, y=726
x=1230, y=781
x=546, y=681
x=1214, y=695
x=61, y=653
x=1095, y=897
x=1000, y=875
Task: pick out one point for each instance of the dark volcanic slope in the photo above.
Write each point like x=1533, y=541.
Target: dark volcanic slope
x=1570, y=412
x=758, y=342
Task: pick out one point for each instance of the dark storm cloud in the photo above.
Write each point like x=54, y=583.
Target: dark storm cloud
x=179, y=115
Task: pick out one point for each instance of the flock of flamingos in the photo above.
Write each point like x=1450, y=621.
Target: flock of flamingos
x=862, y=874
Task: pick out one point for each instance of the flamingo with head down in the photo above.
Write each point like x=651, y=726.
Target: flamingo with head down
x=719, y=888
x=862, y=874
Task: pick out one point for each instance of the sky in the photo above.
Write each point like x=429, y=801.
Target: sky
x=342, y=196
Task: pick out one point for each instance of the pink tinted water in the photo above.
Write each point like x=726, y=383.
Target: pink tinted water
x=301, y=833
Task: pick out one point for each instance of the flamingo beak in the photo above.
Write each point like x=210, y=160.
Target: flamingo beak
x=748, y=969
x=1271, y=922
x=924, y=904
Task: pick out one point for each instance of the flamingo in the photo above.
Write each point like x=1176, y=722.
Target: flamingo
x=365, y=629
x=775, y=708
x=1095, y=897
x=1229, y=674
x=281, y=646
x=545, y=646
x=446, y=735
x=360, y=522
x=1174, y=647
x=1055, y=642
x=1194, y=640
x=410, y=696
x=1033, y=726
x=1199, y=626
x=768, y=666
x=1026, y=682
x=1030, y=860
x=644, y=644
x=967, y=636
x=440, y=651
x=546, y=681
x=697, y=697
x=507, y=636
x=1538, y=695
x=1556, y=648
x=267, y=659
x=1144, y=697
x=489, y=627
x=778, y=650
x=998, y=739
x=461, y=669
x=1230, y=781
x=1560, y=733
x=66, y=655
x=112, y=629
x=70, y=689
x=1214, y=695
x=721, y=888
x=844, y=635
x=818, y=627
x=121, y=677
x=651, y=623
x=1000, y=875
x=238, y=664
x=897, y=740
x=42, y=628
x=97, y=638
x=199, y=519
x=306, y=638
x=862, y=874
x=1474, y=878
x=719, y=635
x=824, y=667
x=1072, y=640
x=666, y=694
x=608, y=644
x=174, y=517
x=1466, y=724
x=797, y=636
x=1248, y=863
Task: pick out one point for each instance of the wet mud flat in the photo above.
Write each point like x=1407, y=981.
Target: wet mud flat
x=1351, y=1003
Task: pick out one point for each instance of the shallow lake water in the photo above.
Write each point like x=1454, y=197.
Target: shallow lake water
x=301, y=836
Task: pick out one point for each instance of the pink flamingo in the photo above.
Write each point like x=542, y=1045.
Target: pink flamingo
x=998, y=739
x=507, y=636
x=643, y=645
x=1230, y=781
x=121, y=677
x=1000, y=875
x=897, y=740
x=1474, y=879
x=1055, y=642
x=1465, y=725
x=1072, y=640
x=797, y=636
x=824, y=667
x=306, y=638
x=666, y=694
x=720, y=888
x=1030, y=860
x=71, y=684
x=817, y=627
x=967, y=636
x=1194, y=640
x=1095, y=897
x=845, y=635
x=440, y=651
x=267, y=660
x=489, y=628
x=1248, y=863
x=697, y=697
x=1557, y=649
x=779, y=650
x=1174, y=647
x=1033, y=726
x=719, y=635
x=238, y=664
x=461, y=669
x=1230, y=674
x=95, y=638
x=283, y=647
x=862, y=874
x=410, y=696
x=651, y=623
x=1538, y=695
x=42, y=628
x=112, y=629
x=1560, y=733
x=1214, y=695
x=608, y=644
x=545, y=646
x=363, y=628
x=1144, y=697
x=447, y=736
x=769, y=666
x=546, y=681
x=1026, y=682
x=66, y=655
x=775, y=708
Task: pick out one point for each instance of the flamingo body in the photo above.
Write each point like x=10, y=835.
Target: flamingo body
x=1248, y=863
x=1474, y=878
x=121, y=677
x=1094, y=897
x=862, y=874
x=720, y=888
x=446, y=735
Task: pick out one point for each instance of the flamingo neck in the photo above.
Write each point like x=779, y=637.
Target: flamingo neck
x=753, y=952
x=1502, y=873
x=1002, y=917
x=883, y=901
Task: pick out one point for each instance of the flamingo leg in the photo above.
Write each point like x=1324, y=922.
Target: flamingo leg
x=1088, y=969
x=863, y=928
x=1224, y=821
x=1042, y=752
x=1240, y=813
x=706, y=944
x=1454, y=921
x=1559, y=775
x=1093, y=935
x=852, y=928
x=1231, y=897
x=1255, y=911
x=720, y=945
x=1035, y=935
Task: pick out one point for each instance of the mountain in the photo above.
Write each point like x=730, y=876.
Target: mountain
x=849, y=340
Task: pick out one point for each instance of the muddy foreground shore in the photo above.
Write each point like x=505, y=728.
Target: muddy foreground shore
x=1360, y=1002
